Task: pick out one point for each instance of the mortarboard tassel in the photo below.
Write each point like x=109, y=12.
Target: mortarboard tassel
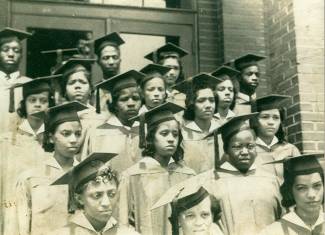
x=11, y=100
x=142, y=132
x=72, y=207
x=217, y=161
x=97, y=101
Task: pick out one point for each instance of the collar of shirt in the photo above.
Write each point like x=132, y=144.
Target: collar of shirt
x=230, y=115
x=246, y=97
x=292, y=217
x=259, y=141
x=80, y=219
x=51, y=162
x=194, y=127
x=12, y=78
x=227, y=166
x=143, y=109
x=25, y=127
x=114, y=121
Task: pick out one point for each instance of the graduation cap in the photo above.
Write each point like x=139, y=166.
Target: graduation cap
x=234, y=125
x=58, y=114
x=224, y=72
x=153, y=70
x=74, y=65
x=91, y=167
x=204, y=79
x=37, y=85
x=268, y=102
x=166, y=51
x=112, y=39
x=181, y=197
x=11, y=32
x=303, y=164
x=183, y=86
x=128, y=79
x=162, y=113
x=247, y=61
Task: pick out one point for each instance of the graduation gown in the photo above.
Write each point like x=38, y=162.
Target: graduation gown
x=79, y=225
x=114, y=137
x=20, y=151
x=241, y=108
x=275, y=151
x=141, y=186
x=198, y=152
x=41, y=208
x=249, y=202
x=292, y=224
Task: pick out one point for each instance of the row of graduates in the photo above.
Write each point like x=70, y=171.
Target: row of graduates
x=163, y=136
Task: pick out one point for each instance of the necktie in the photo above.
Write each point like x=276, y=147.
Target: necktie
x=11, y=98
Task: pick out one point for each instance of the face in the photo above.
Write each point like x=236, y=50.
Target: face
x=83, y=47
x=198, y=219
x=166, y=138
x=225, y=92
x=37, y=102
x=109, y=60
x=173, y=74
x=308, y=192
x=241, y=150
x=67, y=139
x=251, y=76
x=78, y=87
x=204, y=105
x=268, y=123
x=10, y=56
x=154, y=92
x=99, y=199
x=128, y=103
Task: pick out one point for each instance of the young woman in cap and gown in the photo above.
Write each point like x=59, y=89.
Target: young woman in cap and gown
x=144, y=183
x=226, y=92
x=93, y=189
x=37, y=202
x=249, y=198
x=170, y=56
x=198, y=122
x=303, y=195
x=76, y=85
x=153, y=86
x=248, y=80
x=27, y=135
x=118, y=134
x=271, y=141
x=193, y=210
x=107, y=49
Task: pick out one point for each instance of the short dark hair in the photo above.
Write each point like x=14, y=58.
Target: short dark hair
x=226, y=141
x=287, y=186
x=150, y=150
x=181, y=75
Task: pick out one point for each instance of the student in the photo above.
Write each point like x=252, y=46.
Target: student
x=226, y=93
x=144, y=183
x=93, y=189
x=303, y=192
x=37, y=202
x=10, y=57
x=118, y=134
x=76, y=85
x=107, y=49
x=198, y=122
x=193, y=210
x=249, y=198
x=248, y=80
x=170, y=56
x=271, y=141
x=153, y=86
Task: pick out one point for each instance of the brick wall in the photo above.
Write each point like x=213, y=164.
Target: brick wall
x=294, y=43
x=210, y=35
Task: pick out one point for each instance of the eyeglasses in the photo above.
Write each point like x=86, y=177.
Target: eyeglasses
x=239, y=147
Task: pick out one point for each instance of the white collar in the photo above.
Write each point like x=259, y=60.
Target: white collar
x=246, y=97
x=274, y=141
x=229, y=167
x=230, y=115
x=292, y=217
x=143, y=109
x=25, y=126
x=114, y=121
x=54, y=164
x=80, y=219
x=193, y=126
x=13, y=76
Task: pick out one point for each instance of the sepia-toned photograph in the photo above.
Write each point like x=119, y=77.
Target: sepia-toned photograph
x=162, y=117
